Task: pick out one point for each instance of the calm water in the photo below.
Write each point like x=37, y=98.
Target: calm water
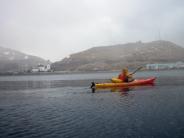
x=63, y=106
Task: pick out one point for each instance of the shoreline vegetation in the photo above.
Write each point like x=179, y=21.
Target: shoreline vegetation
x=72, y=72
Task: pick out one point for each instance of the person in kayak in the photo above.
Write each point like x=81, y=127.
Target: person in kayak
x=125, y=76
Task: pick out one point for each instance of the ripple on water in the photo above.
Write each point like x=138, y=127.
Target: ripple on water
x=70, y=109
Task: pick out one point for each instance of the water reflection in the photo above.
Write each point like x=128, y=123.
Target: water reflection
x=121, y=89
x=114, y=89
x=124, y=91
x=34, y=109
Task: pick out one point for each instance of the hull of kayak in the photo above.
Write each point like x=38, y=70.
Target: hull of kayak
x=133, y=83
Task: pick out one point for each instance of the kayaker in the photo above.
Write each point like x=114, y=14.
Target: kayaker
x=125, y=76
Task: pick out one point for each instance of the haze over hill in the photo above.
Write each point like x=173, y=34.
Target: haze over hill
x=12, y=60
x=53, y=29
x=117, y=56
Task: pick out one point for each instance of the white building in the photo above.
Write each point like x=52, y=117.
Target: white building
x=42, y=68
x=35, y=70
x=48, y=67
x=160, y=66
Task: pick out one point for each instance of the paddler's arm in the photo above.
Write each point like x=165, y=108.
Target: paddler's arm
x=130, y=75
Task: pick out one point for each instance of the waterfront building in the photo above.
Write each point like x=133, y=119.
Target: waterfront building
x=41, y=68
x=162, y=66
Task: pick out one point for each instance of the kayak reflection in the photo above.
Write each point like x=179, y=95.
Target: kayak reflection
x=118, y=89
x=123, y=90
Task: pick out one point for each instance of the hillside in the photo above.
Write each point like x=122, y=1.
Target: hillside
x=117, y=56
x=15, y=61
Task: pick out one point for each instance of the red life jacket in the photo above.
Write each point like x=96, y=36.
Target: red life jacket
x=122, y=77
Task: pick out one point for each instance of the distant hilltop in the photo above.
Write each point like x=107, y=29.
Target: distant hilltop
x=115, y=57
x=15, y=61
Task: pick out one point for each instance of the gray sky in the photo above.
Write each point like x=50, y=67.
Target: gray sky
x=54, y=29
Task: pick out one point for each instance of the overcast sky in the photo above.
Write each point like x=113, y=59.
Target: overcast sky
x=54, y=29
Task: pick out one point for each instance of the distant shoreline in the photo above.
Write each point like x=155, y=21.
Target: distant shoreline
x=52, y=73
x=69, y=72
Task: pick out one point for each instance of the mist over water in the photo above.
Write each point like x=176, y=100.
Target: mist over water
x=64, y=106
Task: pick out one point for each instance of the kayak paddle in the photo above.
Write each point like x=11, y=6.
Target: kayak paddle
x=135, y=70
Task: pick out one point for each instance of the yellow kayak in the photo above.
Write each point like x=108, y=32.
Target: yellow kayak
x=136, y=82
x=116, y=80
